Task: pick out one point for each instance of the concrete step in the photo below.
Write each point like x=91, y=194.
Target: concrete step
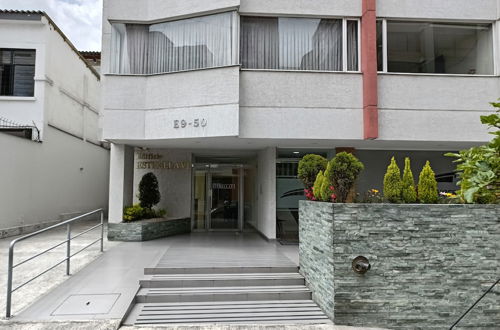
x=219, y=270
x=221, y=280
x=302, y=311
x=238, y=293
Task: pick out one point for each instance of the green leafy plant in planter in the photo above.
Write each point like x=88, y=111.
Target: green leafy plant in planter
x=392, y=183
x=344, y=170
x=149, y=196
x=318, y=184
x=408, y=192
x=427, y=185
x=479, y=167
x=309, y=167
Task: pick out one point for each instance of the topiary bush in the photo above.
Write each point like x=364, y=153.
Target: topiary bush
x=326, y=190
x=392, y=182
x=344, y=170
x=427, y=185
x=149, y=193
x=408, y=192
x=309, y=167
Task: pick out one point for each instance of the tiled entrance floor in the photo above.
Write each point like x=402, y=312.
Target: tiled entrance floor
x=117, y=272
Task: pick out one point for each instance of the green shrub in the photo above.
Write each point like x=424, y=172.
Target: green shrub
x=392, y=183
x=344, y=170
x=309, y=167
x=325, y=190
x=149, y=193
x=317, y=185
x=408, y=193
x=427, y=185
x=479, y=167
x=137, y=212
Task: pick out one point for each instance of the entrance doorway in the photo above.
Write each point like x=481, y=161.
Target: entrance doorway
x=217, y=197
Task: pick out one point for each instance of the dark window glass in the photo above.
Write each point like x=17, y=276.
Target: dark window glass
x=423, y=47
x=17, y=72
x=380, y=47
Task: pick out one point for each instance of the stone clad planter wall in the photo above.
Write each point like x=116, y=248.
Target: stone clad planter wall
x=145, y=230
x=429, y=263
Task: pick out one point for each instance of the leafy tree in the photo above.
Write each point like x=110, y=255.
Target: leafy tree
x=408, y=193
x=427, y=185
x=309, y=167
x=392, y=182
x=344, y=170
x=149, y=194
x=479, y=167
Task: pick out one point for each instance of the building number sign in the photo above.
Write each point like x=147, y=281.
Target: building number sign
x=198, y=122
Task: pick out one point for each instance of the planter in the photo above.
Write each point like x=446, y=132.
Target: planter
x=429, y=263
x=145, y=230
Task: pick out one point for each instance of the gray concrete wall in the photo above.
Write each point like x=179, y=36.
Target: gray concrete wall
x=429, y=263
x=43, y=182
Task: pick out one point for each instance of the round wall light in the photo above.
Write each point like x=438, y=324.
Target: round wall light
x=360, y=265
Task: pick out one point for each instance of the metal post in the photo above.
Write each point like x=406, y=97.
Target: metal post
x=68, y=248
x=9, y=281
x=102, y=231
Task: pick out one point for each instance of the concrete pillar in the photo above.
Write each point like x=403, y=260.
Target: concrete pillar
x=369, y=69
x=116, y=182
x=266, y=168
x=120, y=180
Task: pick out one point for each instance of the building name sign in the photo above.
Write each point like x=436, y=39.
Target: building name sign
x=152, y=161
x=229, y=186
x=182, y=123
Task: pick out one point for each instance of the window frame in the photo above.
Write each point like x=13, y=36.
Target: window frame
x=12, y=79
x=235, y=42
x=344, y=44
x=384, y=21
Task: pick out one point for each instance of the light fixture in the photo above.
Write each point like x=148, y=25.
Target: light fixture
x=296, y=152
x=361, y=265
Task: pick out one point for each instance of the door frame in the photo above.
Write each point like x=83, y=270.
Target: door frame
x=210, y=169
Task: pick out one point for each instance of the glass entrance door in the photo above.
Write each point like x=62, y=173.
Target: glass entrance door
x=217, y=197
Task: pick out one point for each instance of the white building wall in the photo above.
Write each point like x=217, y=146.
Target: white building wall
x=64, y=175
x=50, y=181
x=28, y=35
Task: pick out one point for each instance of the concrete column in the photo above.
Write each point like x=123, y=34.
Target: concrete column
x=120, y=180
x=116, y=182
x=266, y=169
x=369, y=69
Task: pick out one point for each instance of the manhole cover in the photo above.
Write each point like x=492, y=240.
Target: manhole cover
x=80, y=304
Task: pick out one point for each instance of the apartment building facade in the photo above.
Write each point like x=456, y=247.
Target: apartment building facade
x=221, y=98
x=54, y=165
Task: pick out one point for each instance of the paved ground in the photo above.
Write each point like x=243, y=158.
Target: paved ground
x=116, y=273
x=23, y=250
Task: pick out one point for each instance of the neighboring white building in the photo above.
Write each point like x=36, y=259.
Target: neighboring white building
x=53, y=164
x=221, y=98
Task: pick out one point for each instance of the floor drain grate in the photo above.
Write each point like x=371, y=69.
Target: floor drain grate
x=84, y=304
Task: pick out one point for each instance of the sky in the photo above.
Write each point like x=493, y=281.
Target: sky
x=80, y=20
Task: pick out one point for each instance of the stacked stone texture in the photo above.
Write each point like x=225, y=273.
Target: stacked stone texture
x=146, y=230
x=429, y=263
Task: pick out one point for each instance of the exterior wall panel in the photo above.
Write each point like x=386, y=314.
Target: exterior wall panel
x=302, y=8
x=442, y=9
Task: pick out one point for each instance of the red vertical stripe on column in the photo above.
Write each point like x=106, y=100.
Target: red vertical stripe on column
x=369, y=69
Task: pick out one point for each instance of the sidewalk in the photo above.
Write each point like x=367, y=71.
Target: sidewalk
x=23, y=250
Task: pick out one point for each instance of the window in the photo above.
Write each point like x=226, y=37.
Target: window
x=423, y=47
x=17, y=72
x=299, y=44
x=188, y=44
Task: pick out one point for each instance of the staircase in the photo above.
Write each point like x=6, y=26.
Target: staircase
x=236, y=295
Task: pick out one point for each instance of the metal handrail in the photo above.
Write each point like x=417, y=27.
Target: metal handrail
x=474, y=304
x=68, y=239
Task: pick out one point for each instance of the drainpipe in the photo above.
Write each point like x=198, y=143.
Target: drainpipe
x=369, y=69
